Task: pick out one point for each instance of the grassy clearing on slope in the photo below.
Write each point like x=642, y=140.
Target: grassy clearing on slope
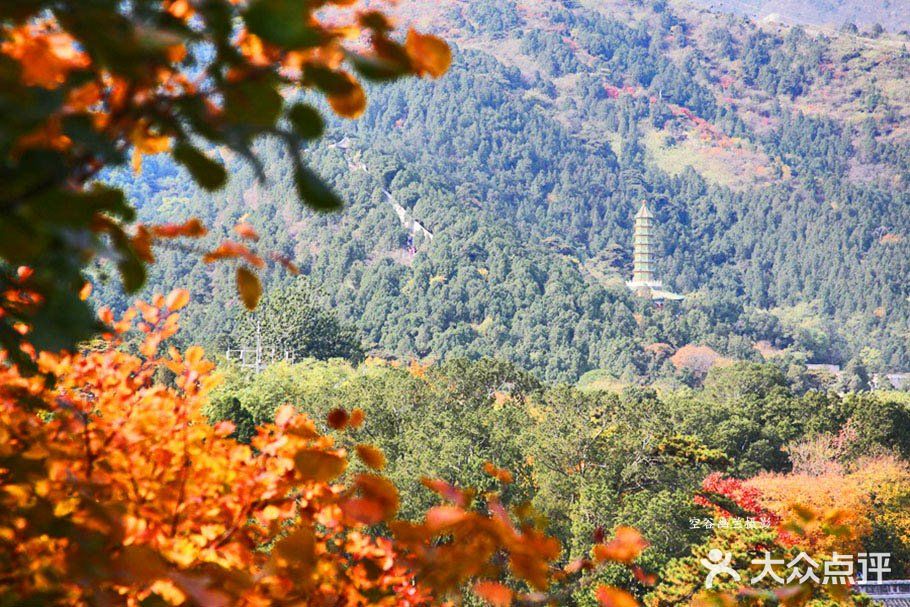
x=735, y=164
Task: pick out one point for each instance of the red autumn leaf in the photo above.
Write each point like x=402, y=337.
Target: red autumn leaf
x=362, y=510
x=338, y=418
x=648, y=579
x=285, y=262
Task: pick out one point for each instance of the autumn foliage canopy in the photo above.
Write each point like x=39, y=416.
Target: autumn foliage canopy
x=115, y=490
x=86, y=86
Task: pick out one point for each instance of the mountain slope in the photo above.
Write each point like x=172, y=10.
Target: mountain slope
x=784, y=208
x=893, y=15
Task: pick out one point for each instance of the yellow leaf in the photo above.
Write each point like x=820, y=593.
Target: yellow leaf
x=85, y=291
x=248, y=287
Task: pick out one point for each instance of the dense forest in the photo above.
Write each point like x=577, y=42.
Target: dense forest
x=782, y=209
x=591, y=460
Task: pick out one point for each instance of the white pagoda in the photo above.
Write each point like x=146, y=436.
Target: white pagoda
x=644, y=282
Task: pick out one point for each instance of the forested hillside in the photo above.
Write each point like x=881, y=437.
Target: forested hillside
x=777, y=164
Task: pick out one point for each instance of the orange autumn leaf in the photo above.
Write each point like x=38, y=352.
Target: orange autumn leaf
x=608, y=596
x=447, y=491
x=177, y=299
x=180, y=9
x=356, y=419
x=428, y=53
x=380, y=492
x=318, y=465
x=248, y=287
x=47, y=136
x=350, y=101
x=46, y=57
x=233, y=250
x=86, y=291
x=371, y=456
x=299, y=547
x=625, y=547
x=284, y=415
x=146, y=142
x=191, y=228
x=500, y=474
x=83, y=97
x=246, y=231
x=494, y=593
x=444, y=517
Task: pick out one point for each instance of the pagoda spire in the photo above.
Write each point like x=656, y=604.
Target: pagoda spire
x=644, y=261
x=645, y=249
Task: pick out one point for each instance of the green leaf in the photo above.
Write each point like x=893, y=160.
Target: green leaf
x=154, y=600
x=282, y=22
x=19, y=242
x=77, y=209
x=62, y=322
x=316, y=194
x=81, y=129
x=378, y=70
x=306, y=121
x=253, y=102
x=205, y=171
x=131, y=267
